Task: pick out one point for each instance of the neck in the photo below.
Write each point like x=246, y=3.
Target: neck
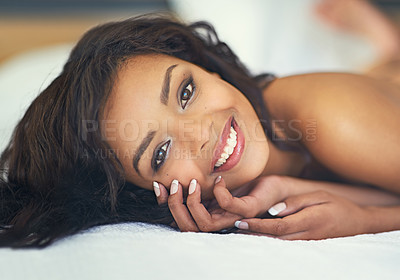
x=288, y=163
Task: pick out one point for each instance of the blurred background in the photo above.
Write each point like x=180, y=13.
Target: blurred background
x=30, y=24
x=283, y=37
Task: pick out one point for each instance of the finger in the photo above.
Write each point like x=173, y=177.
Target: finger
x=161, y=193
x=296, y=203
x=290, y=224
x=240, y=206
x=303, y=235
x=205, y=221
x=179, y=210
x=241, y=231
x=265, y=192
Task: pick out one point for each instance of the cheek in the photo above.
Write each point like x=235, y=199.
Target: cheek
x=219, y=96
x=255, y=160
x=251, y=166
x=184, y=170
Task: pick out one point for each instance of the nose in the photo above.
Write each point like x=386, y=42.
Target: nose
x=190, y=151
x=191, y=135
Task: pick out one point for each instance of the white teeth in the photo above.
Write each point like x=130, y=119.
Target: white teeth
x=230, y=145
x=228, y=149
x=221, y=160
x=231, y=142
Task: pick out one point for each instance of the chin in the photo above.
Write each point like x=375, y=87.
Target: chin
x=253, y=166
x=244, y=176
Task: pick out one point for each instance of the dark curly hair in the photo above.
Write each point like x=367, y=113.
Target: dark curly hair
x=53, y=182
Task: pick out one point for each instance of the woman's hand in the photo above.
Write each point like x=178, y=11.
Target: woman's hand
x=256, y=199
x=193, y=216
x=313, y=209
x=316, y=215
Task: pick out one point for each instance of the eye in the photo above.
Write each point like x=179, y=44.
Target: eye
x=159, y=156
x=187, y=93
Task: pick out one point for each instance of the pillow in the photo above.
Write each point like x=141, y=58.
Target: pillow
x=22, y=78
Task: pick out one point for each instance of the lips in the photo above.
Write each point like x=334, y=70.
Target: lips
x=235, y=155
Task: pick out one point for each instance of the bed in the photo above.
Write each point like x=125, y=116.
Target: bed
x=142, y=251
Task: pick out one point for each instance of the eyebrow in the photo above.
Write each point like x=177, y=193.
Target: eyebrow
x=166, y=85
x=142, y=148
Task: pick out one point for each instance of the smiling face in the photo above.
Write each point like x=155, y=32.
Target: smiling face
x=169, y=119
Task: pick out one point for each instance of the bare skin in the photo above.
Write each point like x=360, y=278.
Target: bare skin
x=359, y=104
x=354, y=138
x=353, y=111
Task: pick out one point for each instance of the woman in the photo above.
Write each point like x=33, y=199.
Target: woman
x=150, y=104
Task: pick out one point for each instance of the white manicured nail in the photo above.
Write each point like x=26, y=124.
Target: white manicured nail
x=241, y=225
x=174, y=187
x=277, y=208
x=192, y=186
x=218, y=179
x=156, y=188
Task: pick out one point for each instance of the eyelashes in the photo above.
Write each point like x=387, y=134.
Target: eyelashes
x=185, y=94
x=160, y=154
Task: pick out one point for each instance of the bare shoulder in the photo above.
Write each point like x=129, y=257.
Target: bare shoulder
x=356, y=130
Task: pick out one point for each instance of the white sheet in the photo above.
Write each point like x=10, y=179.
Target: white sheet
x=140, y=251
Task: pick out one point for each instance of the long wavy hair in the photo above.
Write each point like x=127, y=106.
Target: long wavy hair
x=53, y=182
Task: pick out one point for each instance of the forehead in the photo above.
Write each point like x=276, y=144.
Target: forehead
x=137, y=86
x=141, y=74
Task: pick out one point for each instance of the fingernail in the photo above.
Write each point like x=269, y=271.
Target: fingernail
x=277, y=208
x=241, y=225
x=174, y=187
x=218, y=179
x=192, y=186
x=156, y=188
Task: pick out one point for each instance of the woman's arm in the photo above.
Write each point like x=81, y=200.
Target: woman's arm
x=320, y=215
x=270, y=190
x=318, y=210
x=264, y=193
x=361, y=195
x=357, y=120
x=383, y=218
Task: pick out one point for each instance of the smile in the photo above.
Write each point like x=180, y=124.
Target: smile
x=230, y=147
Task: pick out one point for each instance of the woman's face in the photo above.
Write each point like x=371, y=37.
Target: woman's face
x=169, y=119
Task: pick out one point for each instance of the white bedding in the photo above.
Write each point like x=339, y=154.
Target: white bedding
x=140, y=251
